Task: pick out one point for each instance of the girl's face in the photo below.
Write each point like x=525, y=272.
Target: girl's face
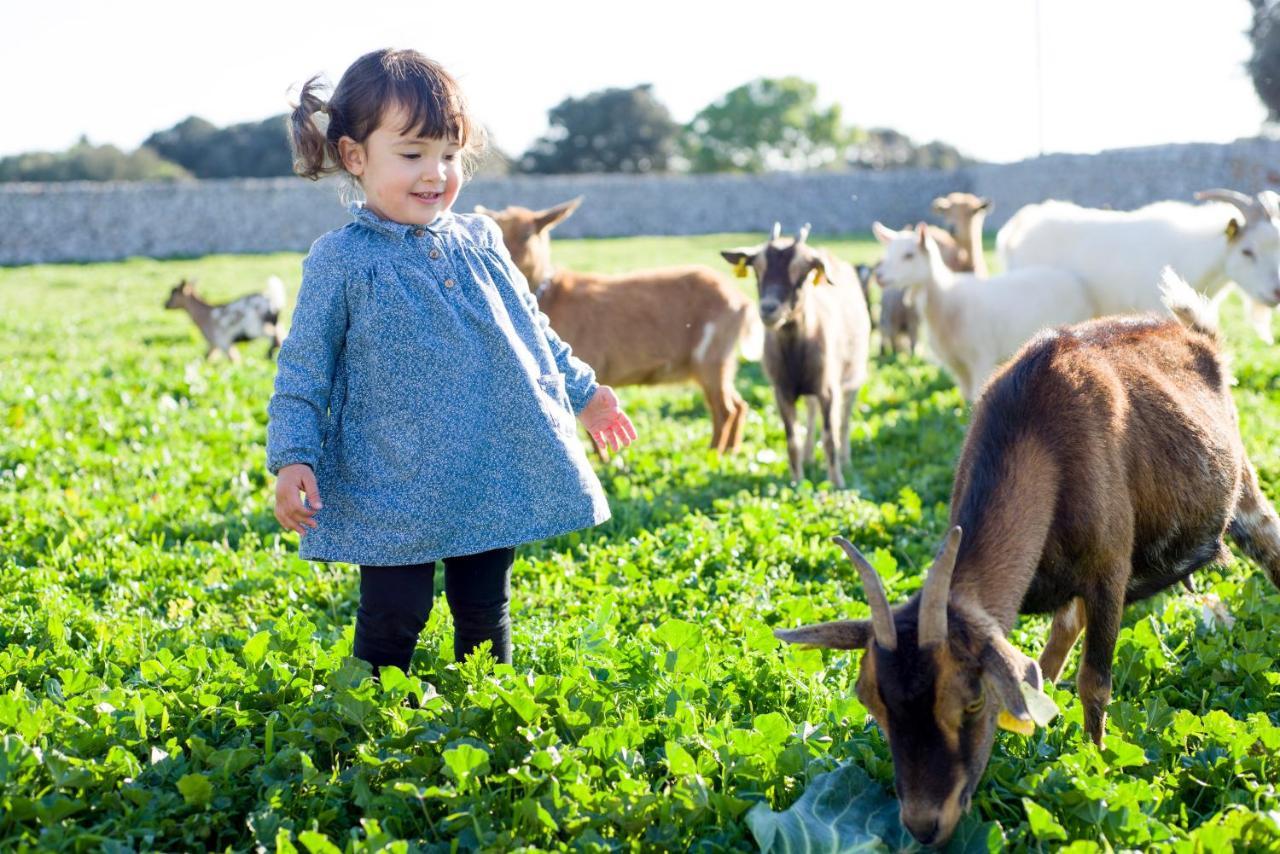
x=406, y=178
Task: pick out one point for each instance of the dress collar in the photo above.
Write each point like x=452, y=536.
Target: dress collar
x=369, y=219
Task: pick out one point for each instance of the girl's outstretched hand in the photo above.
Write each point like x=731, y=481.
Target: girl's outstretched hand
x=290, y=511
x=604, y=419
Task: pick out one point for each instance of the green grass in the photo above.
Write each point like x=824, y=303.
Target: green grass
x=172, y=676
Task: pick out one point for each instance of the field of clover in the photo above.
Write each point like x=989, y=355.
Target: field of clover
x=173, y=677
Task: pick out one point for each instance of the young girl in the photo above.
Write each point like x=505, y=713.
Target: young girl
x=422, y=403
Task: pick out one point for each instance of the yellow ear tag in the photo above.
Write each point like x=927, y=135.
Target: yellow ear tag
x=819, y=278
x=740, y=269
x=1008, y=722
x=1039, y=705
x=1233, y=229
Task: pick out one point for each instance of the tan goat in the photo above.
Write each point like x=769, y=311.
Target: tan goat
x=965, y=214
x=655, y=326
x=1104, y=464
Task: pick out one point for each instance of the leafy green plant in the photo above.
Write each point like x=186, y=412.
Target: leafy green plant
x=172, y=676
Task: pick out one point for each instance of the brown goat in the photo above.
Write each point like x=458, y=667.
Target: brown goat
x=817, y=333
x=1104, y=464
x=655, y=326
x=964, y=213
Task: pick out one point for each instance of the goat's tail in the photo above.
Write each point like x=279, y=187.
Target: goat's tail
x=751, y=336
x=1192, y=309
x=276, y=296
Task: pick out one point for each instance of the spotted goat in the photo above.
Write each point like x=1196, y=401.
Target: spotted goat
x=1104, y=464
x=250, y=317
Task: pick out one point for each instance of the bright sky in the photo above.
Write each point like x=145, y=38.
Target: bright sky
x=1115, y=72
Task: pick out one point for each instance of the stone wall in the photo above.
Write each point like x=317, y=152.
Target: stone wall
x=103, y=221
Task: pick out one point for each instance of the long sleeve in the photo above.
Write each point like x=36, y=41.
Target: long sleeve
x=306, y=363
x=579, y=377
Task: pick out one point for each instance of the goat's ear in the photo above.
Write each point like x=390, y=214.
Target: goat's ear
x=552, y=217
x=986, y=205
x=882, y=232
x=740, y=257
x=841, y=634
x=941, y=204
x=1233, y=229
x=1004, y=670
x=922, y=234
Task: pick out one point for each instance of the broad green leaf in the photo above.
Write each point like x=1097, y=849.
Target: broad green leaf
x=840, y=811
x=196, y=789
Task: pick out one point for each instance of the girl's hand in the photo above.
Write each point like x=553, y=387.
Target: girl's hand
x=290, y=511
x=606, y=422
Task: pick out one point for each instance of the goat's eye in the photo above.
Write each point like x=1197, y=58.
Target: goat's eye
x=1248, y=253
x=976, y=706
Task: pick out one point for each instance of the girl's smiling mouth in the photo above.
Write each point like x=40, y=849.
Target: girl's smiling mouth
x=429, y=198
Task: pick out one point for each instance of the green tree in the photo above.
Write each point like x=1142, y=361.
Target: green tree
x=766, y=124
x=246, y=150
x=1264, y=63
x=613, y=130
x=85, y=161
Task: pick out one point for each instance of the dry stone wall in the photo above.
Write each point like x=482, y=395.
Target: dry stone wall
x=104, y=221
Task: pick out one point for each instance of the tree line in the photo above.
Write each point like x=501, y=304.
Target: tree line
x=764, y=125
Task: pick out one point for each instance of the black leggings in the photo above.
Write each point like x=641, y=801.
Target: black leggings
x=395, y=602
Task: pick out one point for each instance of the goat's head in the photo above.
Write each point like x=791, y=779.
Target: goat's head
x=178, y=296
x=909, y=259
x=1253, y=243
x=527, y=235
x=935, y=676
x=784, y=268
x=960, y=209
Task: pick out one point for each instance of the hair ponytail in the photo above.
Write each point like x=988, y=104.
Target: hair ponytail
x=315, y=153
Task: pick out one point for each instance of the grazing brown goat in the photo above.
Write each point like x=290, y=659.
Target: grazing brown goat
x=645, y=328
x=1104, y=464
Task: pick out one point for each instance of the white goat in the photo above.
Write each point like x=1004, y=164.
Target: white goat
x=976, y=324
x=1119, y=254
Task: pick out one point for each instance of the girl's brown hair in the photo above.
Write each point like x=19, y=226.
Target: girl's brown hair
x=375, y=83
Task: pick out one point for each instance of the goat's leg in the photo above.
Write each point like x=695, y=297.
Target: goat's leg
x=1068, y=622
x=233, y=354
x=787, y=409
x=811, y=428
x=737, y=422
x=1255, y=527
x=1102, y=612
x=832, y=402
x=846, y=452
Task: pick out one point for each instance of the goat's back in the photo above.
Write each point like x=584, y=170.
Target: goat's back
x=1118, y=254
x=645, y=327
x=1137, y=422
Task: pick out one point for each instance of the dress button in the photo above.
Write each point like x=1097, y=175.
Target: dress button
x=448, y=283
x=434, y=253
x=418, y=232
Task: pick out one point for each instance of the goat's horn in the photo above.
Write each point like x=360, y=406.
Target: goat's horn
x=1248, y=205
x=804, y=233
x=881, y=617
x=936, y=592
x=777, y=231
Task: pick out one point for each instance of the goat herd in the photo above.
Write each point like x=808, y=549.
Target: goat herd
x=1103, y=463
